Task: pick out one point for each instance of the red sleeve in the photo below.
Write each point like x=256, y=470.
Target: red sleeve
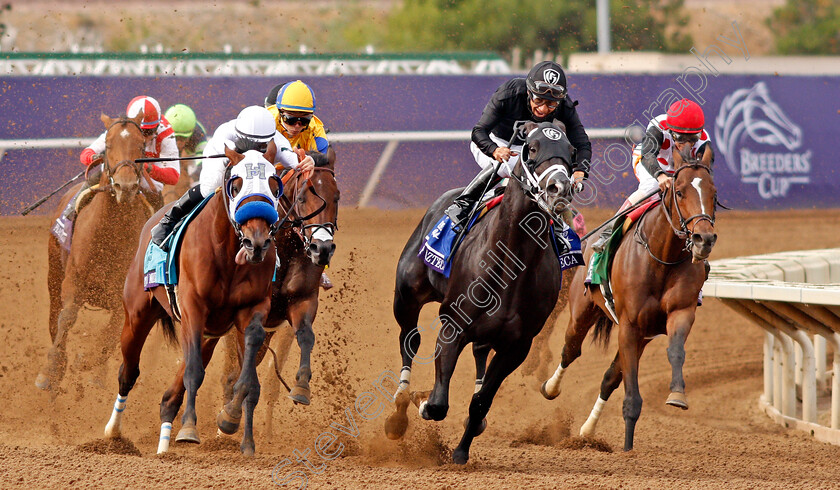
x=87, y=156
x=168, y=176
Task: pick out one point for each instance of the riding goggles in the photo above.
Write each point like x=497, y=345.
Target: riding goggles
x=547, y=90
x=244, y=144
x=293, y=120
x=550, y=104
x=685, y=137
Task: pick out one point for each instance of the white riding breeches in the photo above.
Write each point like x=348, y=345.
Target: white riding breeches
x=505, y=168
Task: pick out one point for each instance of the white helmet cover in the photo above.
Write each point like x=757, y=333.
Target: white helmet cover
x=255, y=123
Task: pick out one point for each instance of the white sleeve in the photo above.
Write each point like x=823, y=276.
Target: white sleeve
x=169, y=149
x=285, y=155
x=98, y=145
x=213, y=169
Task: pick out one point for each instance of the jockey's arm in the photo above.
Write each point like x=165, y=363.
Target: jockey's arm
x=91, y=153
x=577, y=137
x=650, y=150
x=169, y=171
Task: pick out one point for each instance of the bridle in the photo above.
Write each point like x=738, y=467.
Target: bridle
x=106, y=167
x=237, y=228
x=530, y=183
x=306, y=231
x=683, y=232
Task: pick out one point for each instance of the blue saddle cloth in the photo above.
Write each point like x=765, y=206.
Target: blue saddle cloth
x=161, y=268
x=437, y=246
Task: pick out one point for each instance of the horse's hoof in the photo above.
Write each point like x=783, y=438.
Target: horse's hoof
x=459, y=456
x=188, y=433
x=418, y=397
x=227, y=424
x=545, y=393
x=300, y=395
x=247, y=450
x=677, y=399
x=397, y=423
x=43, y=382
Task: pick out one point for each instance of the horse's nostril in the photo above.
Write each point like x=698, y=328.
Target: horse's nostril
x=552, y=189
x=696, y=238
x=247, y=243
x=332, y=248
x=313, y=248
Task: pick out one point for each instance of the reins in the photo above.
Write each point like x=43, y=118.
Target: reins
x=297, y=223
x=683, y=231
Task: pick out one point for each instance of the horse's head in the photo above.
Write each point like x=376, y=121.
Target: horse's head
x=315, y=206
x=252, y=190
x=546, y=163
x=692, y=198
x=124, y=143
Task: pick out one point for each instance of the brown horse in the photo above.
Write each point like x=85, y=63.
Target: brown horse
x=504, y=283
x=106, y=230
x=304, y=247
x=657, y=273
x=226, y=264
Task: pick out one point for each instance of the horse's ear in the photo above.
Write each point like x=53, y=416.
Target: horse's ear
x=708, y=155
x=331, y=157
x=679, y=158
x=233, y=156
x=525, y=128
x=560, y=124
x=105, y=120
x=271, y=152
x=139, y=117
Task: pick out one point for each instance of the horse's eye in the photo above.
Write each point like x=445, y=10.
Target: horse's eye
x=679, y=194
x=235, y=187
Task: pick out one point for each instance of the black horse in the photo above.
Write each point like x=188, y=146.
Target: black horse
x=504, y=282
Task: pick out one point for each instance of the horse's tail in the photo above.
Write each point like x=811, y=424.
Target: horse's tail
x=168, y=327
x=603, y=328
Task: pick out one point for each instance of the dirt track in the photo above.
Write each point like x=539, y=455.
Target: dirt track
x=723, y=441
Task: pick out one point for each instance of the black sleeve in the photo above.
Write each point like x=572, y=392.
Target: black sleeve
x=320, y=159
x=489, y=119
x=578, y=137
x=650, y=150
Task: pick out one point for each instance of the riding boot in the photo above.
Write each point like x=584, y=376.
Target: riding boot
x=92, y=178
x=607, y=231
x=463, y=204
x=181, y=208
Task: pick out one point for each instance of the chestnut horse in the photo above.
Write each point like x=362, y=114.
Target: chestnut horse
x=106, y=230
x=226, y=263
x=503, y=285
x=304, y=248
x=656, y=277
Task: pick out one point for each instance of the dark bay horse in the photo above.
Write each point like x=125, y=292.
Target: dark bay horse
x=226, y=265
x=657, y=273
x=504, y=283
x=304, y=247
x=105, y=233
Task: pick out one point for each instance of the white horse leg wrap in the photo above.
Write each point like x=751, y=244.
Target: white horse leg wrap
x=405, y=378
x=115, y=422
x=165, y=433
x=588, y=427
x=552, y=386
x=478, y=384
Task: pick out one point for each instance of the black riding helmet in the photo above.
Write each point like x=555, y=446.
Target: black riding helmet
x=271, y=98
x=546, y=80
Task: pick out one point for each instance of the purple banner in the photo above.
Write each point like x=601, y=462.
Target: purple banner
x=773, y=151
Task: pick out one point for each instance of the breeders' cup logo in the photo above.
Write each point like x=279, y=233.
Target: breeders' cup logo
x=551, y=76
x=749, y=114
x=552, y=134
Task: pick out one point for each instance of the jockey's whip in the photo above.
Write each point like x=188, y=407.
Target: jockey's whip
x=37, y=203
x=277, y=369
x=200, y=157
x=621, y=214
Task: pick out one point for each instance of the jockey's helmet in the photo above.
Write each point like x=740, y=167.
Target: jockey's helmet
x=254, y=129
x=296, y=97
x=546, y=80
x=271, y=98
x=685, y=116
x=182, y=118
x=150, y=108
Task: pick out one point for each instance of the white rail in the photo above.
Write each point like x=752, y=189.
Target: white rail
x=393, y=138
x=794, y=297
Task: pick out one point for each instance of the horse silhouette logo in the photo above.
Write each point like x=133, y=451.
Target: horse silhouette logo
x=750, y=112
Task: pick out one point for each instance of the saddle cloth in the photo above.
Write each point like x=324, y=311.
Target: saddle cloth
x=437, y=245
x=161, y=268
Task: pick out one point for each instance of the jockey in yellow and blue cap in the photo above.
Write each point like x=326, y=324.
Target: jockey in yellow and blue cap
x=294, y=115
